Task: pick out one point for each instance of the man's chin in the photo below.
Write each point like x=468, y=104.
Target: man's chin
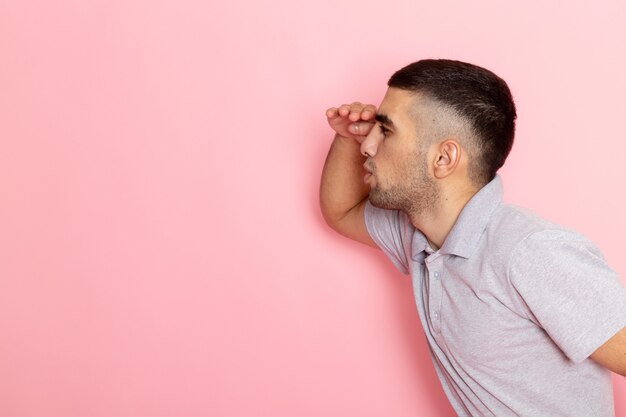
x=378, y=200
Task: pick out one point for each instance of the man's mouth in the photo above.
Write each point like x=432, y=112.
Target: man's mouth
x=368, y=173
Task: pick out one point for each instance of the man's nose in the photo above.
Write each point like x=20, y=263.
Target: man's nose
x=369, y=146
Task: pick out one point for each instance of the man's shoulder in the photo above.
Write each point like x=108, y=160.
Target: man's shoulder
x=511, y=225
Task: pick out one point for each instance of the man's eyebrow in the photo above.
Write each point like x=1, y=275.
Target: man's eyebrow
x=384, y=120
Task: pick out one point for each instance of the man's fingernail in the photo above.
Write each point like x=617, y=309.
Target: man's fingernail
x=354, y=128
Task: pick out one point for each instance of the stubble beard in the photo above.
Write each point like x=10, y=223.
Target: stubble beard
x=416, y=196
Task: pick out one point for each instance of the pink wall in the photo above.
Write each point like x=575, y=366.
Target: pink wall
x=161, y=249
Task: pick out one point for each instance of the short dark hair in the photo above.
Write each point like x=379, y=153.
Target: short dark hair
x=478, y=95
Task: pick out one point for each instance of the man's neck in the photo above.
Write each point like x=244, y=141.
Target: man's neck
x=437, y=222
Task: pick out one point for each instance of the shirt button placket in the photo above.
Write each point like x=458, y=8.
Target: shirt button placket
x=434, y=268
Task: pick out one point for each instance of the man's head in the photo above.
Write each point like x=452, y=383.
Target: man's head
x=440, y=119
x=476, y=95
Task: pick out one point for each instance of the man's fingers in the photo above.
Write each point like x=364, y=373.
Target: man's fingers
x=353, y=112
x=344, y=110
x=361, y=128
x=368, y=112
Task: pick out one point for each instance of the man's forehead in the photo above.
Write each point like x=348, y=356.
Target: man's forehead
x=397, y=106
x=409, y=104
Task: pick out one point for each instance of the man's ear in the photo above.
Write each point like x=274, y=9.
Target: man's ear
x=447, y=157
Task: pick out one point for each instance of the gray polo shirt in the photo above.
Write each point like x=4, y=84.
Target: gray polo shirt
x=512, y=307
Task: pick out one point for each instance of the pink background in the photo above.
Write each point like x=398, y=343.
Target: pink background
x=161, y=247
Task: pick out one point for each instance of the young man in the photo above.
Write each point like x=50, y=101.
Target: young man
x=523, y=317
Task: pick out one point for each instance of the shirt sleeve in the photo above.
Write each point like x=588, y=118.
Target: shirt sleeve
x=569, y=290
x=389, y=229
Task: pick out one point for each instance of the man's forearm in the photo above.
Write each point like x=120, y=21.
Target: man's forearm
x=342, y=187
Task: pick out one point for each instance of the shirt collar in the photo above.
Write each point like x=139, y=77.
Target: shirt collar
x=471, y=223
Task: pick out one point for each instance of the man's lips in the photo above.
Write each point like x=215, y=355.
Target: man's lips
x=368, y=173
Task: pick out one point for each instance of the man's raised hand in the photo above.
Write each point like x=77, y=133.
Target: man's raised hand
x=352, y=120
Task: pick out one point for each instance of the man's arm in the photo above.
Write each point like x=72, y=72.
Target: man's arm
x=612, y=354
x=343, y=193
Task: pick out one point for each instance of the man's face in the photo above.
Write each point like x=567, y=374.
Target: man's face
x=398, y=154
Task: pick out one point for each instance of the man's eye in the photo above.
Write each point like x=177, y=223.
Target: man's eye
x=384, y=130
